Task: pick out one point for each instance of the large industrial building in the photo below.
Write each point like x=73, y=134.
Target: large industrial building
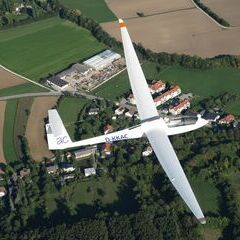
x=102, y=60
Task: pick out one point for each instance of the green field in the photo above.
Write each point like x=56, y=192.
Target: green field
x=20, y=89
x=233, y=108
x=200, y=82
x=84, y=192
x=207, y=195
x=8, y=132
x=95, y=9
x=37, y=49
x=69, y=109
x=235, y=182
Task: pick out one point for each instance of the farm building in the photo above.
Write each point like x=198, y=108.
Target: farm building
x=57, y=83
x=102, y=60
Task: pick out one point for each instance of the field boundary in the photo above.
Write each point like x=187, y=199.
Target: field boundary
x=27, y=79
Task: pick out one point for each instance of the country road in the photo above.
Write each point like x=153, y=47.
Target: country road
x=30, y=95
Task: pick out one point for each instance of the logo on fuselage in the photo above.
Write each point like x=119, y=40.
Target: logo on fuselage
x=62, y=140
x=116, y=138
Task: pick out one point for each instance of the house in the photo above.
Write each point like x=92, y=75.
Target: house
x=67, y=167
x=3, y=191
x=24, y=172
x=107, y=148
x=227, y=119
x=68, y=176
x=120, y=110
x=131, y=99
x=157, y=87
x=84, y=153
x=182, y=105
x=131, y=112
x=52, y=169
x=57, y=83
x=89, y=171
x=210, y=116
x=108, y=129
x=147, y=152
x=93, y=111
x=171, y=93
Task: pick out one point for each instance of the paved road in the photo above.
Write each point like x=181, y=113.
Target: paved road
x=31, y=95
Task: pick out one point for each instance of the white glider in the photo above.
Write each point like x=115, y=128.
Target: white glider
x=152, y=126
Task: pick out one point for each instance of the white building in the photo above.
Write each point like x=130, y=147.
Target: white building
x=3, y=191
x=120, y=110
x=147, y=152
x=102, y=60
x=89, y=171
x=93, y=111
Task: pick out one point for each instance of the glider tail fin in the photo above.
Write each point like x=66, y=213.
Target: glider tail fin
x=57, y=135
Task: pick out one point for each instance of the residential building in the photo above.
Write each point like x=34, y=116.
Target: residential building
x=182, y=105
x=3, y=191
x=89, y=171
x=147, y=152
x=131, y=112
x=157, y=87
x=68, y=176
x=24, y=172
x=107, y=148
x=93, y=111
x=52, y=169
x=67, y=167
x=227, y=119
x=120, y=110
x=171, y=93
x=131, y=99
x=85, y=153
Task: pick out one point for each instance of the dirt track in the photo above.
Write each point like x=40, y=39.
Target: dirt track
x=186, y=31
x=35, y=131
x=227, y=9
x=2, y=114
x=8, y=79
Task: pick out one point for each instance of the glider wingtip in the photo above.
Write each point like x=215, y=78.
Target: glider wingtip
x=202, y=220
x=121, y=23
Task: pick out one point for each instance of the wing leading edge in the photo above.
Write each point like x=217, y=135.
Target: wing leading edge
x=171, y=165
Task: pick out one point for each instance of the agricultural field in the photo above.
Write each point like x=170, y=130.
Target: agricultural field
x=20, y=89
x=69, y=109
x=34, y=50
x=35, y=130
x=129, y=8
x=185, y=30
x=82, y=193
x=233, y=108
x=227, y=9
x=8, y=131
x=207, y=194
x=95, y=9
x=202, y=83
x=2, y=114
x=8, y=79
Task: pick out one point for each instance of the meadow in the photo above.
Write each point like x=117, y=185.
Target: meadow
x=8, y=132
x=202, y=83
x=35, y=50
x=20, y=89
x=69, y=109
x=95, y=9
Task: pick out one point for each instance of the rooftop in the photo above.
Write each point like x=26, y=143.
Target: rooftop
x=57, y=81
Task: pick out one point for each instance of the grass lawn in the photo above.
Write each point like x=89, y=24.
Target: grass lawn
x=84, y=192
x=23, y=88
x=69, y=109
x=201, y=83
x=96, y=9
x=212, y=234
x=207, y=195
x=8, y=132
x=48, y=46
x=233, y=108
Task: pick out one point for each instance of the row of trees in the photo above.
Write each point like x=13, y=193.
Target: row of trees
x=212, y=14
